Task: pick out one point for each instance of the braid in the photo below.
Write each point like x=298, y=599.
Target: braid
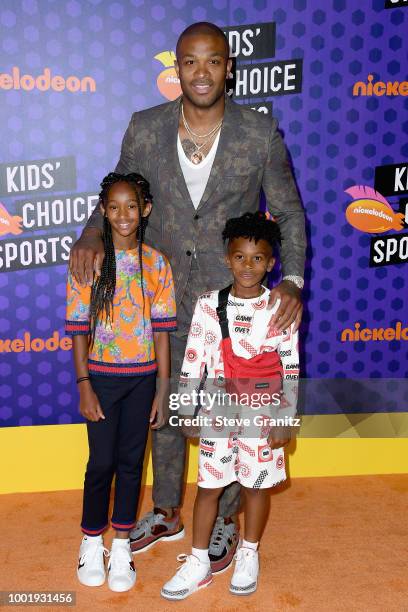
x=254, y=226
x=103, y=287
x=140, y=238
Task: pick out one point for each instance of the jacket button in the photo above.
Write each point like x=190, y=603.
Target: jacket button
x=188, y=253
x=196, y=216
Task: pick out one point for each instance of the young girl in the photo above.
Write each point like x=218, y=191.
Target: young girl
x=120, y=335
x=253, y=457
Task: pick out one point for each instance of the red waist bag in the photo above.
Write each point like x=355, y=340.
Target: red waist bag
x=261, y=375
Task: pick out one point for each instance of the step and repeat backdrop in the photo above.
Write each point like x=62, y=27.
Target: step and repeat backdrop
x=333, y=73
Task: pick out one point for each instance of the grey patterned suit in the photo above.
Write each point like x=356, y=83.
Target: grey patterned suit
x=250, y=155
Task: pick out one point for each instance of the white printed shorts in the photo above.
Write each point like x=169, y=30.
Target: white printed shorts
x=250, y=461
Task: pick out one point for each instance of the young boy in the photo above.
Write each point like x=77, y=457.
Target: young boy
x=257, y=461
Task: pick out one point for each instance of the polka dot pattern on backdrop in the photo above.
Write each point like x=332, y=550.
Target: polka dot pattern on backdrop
x=335, y=140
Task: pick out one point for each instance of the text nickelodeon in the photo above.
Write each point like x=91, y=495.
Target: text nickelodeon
x=26, y=344
x=45, y=81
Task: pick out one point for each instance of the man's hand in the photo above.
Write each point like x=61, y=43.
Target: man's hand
x=89, y=405
x=159, y=413
x=86, y=257
x=189, y=431
x=279, y=436
x=290, y=308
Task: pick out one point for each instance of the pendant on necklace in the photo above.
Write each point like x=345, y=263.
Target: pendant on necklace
x=197, y=157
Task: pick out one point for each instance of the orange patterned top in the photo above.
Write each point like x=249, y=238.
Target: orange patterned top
x=126, y=347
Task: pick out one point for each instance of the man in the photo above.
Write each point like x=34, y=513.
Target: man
x=206, y=159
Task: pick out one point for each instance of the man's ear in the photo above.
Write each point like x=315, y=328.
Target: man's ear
x=271, y=263
x=229, y=67
x=176, y=66
x=227, y=261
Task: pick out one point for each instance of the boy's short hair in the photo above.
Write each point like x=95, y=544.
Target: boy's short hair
x=254, y=226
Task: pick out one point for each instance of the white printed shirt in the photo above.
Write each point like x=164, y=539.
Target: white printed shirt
x=251, y=334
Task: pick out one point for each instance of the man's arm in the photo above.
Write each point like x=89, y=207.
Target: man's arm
x=87, y=253
x=284, y=204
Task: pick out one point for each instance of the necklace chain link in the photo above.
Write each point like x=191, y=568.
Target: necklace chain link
x=196, y=157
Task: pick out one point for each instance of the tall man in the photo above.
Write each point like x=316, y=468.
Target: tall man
x=206, y=159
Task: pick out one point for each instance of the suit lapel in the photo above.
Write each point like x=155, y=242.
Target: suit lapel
x=227, y=148
x=170, y=173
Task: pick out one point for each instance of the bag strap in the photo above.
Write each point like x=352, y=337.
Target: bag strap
x=222, y=310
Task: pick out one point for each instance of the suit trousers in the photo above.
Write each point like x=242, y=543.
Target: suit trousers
x=169, y=443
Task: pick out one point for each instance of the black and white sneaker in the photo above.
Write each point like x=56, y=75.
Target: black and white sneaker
x=121, y=570
x=91, y=567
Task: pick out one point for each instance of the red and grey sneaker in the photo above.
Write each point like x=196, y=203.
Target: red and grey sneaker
x=153, y=527
x=223, y=544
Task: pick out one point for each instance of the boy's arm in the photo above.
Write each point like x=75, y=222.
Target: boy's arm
x=288, y=351
x=289, y=355
x=159, y=413
x=195, y=353
x=89, y=405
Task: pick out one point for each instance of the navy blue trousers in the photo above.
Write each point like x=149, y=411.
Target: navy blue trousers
x=116, y=447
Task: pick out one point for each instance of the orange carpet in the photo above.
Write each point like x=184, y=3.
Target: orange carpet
x=330, y=544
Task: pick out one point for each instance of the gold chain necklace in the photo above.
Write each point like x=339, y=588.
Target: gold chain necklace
x=197, y=156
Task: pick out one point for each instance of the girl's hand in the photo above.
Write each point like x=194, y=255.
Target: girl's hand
x=89, y=405
x=160, y=411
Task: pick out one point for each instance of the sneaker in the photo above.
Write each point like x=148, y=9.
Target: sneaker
x=223, y=544
x=91, y=567
x=190, y=577
x=121, y=571
x=245, y=577
x=153, y=527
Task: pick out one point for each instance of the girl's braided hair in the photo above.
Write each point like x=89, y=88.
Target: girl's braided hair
x=254, y=226
x=103, y=287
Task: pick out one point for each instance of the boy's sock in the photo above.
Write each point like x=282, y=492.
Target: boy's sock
x=201, y=554
x=251, y=545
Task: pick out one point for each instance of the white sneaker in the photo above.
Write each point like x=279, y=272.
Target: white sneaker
x=91, y=568
x=121, y=571
x=245, y=578
x=190, y=577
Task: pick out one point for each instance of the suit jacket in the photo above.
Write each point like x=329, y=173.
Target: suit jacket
x=250, y=155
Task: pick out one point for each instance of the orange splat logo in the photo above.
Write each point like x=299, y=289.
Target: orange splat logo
x=9, y=224
x=167, y=82
x=370, y=212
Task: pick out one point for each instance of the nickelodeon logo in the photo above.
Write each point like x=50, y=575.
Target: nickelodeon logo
x=168, y=82
x=370, y=212
x=26, y=344
x=378, y=334
x=45, y=81
x=391, y=88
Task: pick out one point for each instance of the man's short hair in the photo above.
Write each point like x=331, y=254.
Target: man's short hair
x=206, y=28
